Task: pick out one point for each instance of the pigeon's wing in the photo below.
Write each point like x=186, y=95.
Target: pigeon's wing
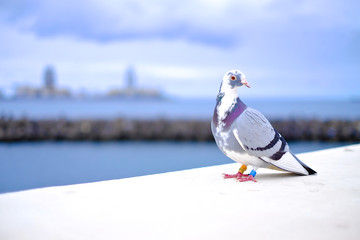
x=257, y=136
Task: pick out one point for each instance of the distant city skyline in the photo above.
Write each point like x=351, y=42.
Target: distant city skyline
x=300, y=48
x=50, y=89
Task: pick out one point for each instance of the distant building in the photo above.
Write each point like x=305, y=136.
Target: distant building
x=49, y=78
x=48, y=90
x=130, y=78
x=132, y=91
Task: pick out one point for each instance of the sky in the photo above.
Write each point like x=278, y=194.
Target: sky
x=304, y=48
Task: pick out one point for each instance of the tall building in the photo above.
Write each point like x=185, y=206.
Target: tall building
x=49, y=78
x=132, y=91
x=130, y=78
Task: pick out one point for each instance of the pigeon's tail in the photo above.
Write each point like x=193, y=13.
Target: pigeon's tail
x=310, y=171
x=290, y=163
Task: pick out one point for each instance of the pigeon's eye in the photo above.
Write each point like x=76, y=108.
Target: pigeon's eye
x=233, y=77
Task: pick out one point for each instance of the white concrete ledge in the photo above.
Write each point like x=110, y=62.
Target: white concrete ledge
x=197, y=204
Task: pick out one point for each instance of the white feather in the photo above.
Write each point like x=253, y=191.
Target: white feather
x=289, y=163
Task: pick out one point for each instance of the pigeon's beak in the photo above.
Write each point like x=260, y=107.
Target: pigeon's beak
x=243, y=81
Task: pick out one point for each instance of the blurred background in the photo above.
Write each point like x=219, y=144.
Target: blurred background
x=97, y=90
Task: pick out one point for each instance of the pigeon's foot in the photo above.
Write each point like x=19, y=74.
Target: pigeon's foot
x=247, y=178
x=250, y=177
x=238, y=175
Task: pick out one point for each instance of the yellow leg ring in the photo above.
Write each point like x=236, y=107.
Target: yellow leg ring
x=242, y=169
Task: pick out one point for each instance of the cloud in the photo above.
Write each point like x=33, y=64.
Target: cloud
x=217, y=23
x=115, y=20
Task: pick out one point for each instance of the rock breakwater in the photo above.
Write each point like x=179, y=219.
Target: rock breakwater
x=12, y=130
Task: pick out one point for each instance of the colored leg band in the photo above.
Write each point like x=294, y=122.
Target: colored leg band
x=242, y=169
x=253, y=173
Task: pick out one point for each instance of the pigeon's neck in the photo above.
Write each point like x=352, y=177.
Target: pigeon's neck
x=226, y=98
x=228, y=108
x=230, y=91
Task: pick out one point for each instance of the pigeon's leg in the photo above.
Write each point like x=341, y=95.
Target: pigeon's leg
x=250, y=177
x=238, y=175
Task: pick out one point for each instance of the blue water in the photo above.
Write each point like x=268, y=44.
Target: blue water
x=42, y=164
x=194, y=109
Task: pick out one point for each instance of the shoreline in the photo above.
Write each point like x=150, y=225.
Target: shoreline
x=15, y=130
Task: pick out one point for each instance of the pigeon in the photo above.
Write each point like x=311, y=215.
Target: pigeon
x=244, y=134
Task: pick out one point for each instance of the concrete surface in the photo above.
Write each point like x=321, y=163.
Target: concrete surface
x=197, y=204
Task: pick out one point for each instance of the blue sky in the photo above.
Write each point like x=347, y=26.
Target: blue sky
x=285, y=48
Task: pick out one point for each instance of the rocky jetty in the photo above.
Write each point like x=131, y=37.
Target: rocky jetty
x=162, y=129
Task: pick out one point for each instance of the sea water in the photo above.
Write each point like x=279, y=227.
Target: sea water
x=175, y=108
x=31, y=165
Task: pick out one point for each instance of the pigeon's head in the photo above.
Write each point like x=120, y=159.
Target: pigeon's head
x=234, y=79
